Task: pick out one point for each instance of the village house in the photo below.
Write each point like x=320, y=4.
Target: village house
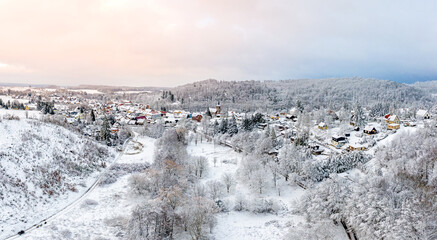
x=215, y=112
x=393, y=126
x=315, y=149
x=322, y=126
x=356, y=148
x=197, y=118
x=393, y=119
x=141, y=120
x=423, y=114
x=370, y=130
x=338, y=141
x=113, y=129
x=274, y=117
x=262, y=126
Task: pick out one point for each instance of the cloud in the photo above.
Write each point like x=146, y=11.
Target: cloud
x=8, y=68
x=169, y=42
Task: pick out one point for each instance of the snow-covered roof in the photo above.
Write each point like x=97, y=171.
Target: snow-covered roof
x=294, y=111
x=392, y=117
x=422, y=112
x=368, y=128
x=337, y=136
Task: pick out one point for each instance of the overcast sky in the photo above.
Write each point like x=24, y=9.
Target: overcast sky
x=168, y=43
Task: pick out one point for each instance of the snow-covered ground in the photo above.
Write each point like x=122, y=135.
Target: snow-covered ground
x=88, y=91
x=43, y=168
x=5, y=99
x=20, y=113
x=132, y=92
x=248, y=225
x=104, y=212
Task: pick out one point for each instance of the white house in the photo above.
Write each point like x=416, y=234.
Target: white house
x=423, y=114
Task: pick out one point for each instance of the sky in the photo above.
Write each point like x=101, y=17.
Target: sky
x=173, y=42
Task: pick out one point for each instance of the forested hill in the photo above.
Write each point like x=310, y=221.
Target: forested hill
x=430, y=86
x=310, y=93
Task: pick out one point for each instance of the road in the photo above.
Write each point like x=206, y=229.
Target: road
x=71, y=205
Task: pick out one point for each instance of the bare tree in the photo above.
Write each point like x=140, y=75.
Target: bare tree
x=258, y=181
x=200, y=215
x=228, y=180
x=274, y=168
x=200, y=165
x=215, y=189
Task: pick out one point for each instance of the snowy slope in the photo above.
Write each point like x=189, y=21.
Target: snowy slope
x=104, y=212
x=43, y=167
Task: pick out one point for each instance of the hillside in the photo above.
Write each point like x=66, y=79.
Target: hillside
x=42, y=168
x=311, y=93
x=429, y=86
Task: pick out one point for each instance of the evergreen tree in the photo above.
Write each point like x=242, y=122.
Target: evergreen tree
x=273, y=137
x=104, y=132
x=247, y=124
x=93, y=116
x=224, y=126
x=258, y=118
x=216, y=127
x=299, y=106
x=208, y=113
x=233, y=128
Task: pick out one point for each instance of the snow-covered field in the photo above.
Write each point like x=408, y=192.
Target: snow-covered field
x=20, y=113
x=88, y=91
x=132, y=92
x=5, y=99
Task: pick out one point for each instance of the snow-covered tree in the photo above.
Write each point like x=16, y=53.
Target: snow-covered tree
x=232, y=126
x=229, y=181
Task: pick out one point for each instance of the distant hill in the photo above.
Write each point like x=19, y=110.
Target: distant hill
x=429, y=86
x=310, y=93
x=108, y=88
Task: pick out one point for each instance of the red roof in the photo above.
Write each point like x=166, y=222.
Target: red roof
x=387, y=116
